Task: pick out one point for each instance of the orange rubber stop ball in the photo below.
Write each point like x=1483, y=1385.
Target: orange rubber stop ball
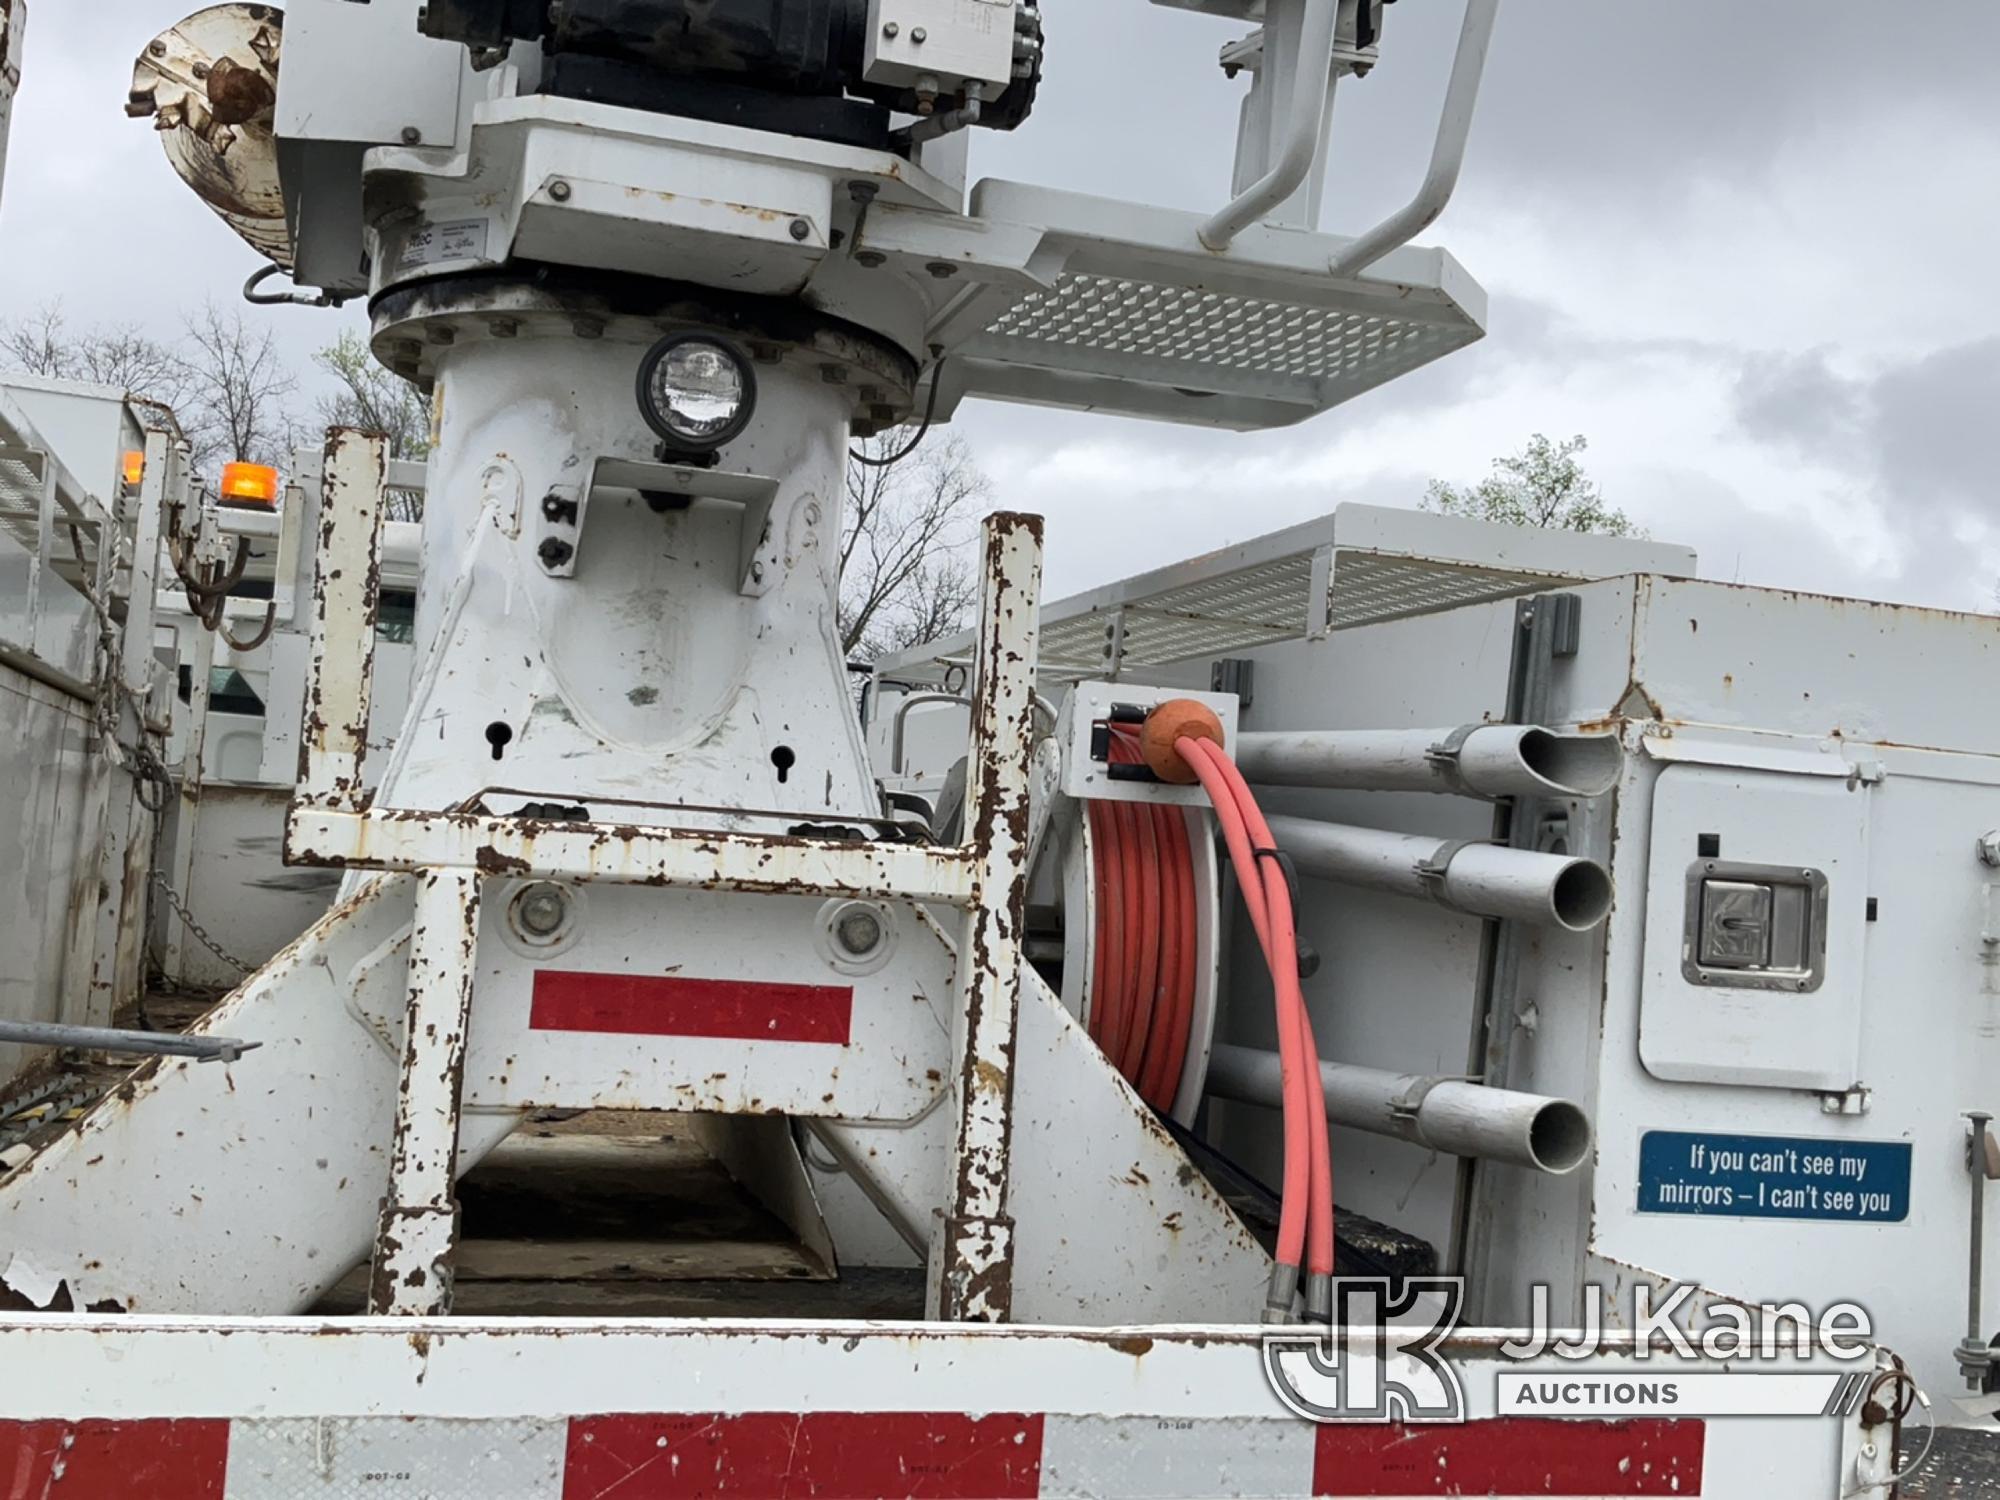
x=1176, y=719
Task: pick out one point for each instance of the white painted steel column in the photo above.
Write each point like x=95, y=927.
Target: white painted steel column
x=188, y=811
x=1310, y=25
x=13, y=37
x=972, y=1257
x=125, y=867
x=346, y=585
x=419, y=1230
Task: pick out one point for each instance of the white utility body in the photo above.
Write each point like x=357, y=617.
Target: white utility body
x=963, y=994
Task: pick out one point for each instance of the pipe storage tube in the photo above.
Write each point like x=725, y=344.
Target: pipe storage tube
x=1483, y=760
x=1445, y=1114
x=1487, y=880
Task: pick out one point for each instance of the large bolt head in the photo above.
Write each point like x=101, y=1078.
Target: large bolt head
x=542, y=909
x=858, y=930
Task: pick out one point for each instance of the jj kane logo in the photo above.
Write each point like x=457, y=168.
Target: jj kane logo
x=1379, y=1360
x=1382, y=1358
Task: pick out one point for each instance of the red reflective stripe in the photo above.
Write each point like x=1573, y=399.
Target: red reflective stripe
x=1511, y=1456
x=825, y=1455
x=161, y=1460
x=667, y=1005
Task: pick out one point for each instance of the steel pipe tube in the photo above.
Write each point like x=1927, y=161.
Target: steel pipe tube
x=200, y=1046
x=1445, y=1114
x=1479, y=760
x=1487, y=880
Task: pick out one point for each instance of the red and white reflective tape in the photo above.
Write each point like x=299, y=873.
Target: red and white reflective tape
x=673, y=1005
x=829, y=1455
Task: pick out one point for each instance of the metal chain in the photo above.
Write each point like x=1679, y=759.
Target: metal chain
x=140, y=761
x=75, y=1094
x=200, y=932
x=28, y=1096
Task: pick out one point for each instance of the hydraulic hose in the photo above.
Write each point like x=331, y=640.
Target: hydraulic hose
x=1143, y=966
x=1306, y=1213
x=1142, y=969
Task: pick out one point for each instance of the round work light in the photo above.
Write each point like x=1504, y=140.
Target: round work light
x=696, y=391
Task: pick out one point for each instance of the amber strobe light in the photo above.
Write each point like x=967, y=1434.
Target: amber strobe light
x=134, y=467
x=254, y=484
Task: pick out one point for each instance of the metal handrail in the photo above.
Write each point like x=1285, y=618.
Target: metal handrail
x=1447, y=154
x=1312, y=83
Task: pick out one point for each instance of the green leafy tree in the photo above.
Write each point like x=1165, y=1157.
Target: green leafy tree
x=1542, y=485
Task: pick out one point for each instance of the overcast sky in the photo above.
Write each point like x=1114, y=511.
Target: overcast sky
x=1746, y=249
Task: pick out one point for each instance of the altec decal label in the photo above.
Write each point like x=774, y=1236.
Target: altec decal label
x=1774, y=1177
x=441, y=244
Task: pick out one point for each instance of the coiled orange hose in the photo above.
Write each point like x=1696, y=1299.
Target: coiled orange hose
x=1306, y=1212
x=1142, y=970
x=1143, y=967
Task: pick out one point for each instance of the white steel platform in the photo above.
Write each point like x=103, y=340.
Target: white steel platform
x=1093, y=304
x=1358, y=565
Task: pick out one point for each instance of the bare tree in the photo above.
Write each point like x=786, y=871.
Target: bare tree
x=238, y=404
x=371, y=397
x=377, y=400
x=44, y=344
x=1542, y=485
x=906, y=575
x=223, y=379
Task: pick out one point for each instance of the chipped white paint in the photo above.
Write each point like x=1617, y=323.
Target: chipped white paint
x=972, y=1255
x=413, y=1247
x=345, y=589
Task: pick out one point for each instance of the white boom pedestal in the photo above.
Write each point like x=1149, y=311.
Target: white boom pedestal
x=632, y=688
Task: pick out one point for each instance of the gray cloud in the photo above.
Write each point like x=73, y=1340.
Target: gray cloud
x=1919, y=435
x=1801, y=401
x=1620, y=131
x=1937, y=422
x=1925, y=429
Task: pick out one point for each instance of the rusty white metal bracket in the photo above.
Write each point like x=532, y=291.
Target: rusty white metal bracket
x=347, y=584
x=686, y=483
x=418, y=1237
x=331, y=824
x=972, y=1253
x=768, y=864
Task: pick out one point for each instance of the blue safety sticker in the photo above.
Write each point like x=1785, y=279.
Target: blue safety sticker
x=1774, y=1177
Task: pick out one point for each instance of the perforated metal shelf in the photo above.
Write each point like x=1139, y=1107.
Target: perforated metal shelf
x=1133, y=315
x=1357, y=566
x=26, y=465
x=20, y=494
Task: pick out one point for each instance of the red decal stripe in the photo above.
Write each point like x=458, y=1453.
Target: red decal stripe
x=667, y=1005
x=825, y=1455
x=161, y=1460
x=1511, y=1456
